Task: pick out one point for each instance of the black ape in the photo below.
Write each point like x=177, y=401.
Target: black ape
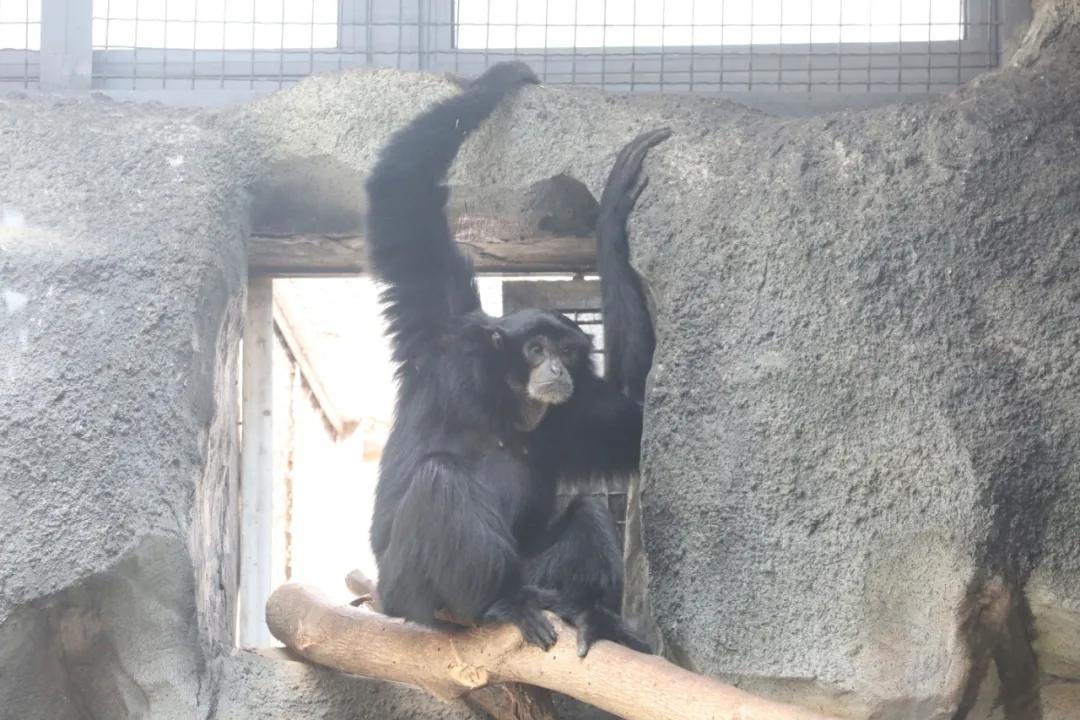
x=491, y=412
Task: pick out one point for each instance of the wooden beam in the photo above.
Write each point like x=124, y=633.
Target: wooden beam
x=575, y=295
x=256, y=464
x=324, y=255
x=308, y=218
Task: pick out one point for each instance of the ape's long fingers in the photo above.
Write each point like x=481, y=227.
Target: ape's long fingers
x=624, y=174
x=639, y=147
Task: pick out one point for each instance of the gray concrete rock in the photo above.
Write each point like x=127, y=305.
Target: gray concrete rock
x=270, y=685
x=861, y=457
x=121, y=269
x=863, y=406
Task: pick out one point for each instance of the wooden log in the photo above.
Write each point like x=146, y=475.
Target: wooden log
x=308, y=218
x=510, y=701
x=310, y=255
x=449, y=665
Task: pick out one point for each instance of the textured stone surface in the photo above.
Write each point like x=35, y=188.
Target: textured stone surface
x=120, y=270
x=862, y=435
x=863, y=406
x=269, y=685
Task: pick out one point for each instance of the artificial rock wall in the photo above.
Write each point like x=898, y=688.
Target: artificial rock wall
x=861, y=487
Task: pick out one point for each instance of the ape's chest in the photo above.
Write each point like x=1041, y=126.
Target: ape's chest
x=523, y=490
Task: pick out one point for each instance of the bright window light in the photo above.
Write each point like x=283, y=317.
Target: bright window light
x=553, y=24
x=216, y=25
x=20, y=25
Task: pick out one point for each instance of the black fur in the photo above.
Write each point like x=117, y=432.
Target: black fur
x=465, y=502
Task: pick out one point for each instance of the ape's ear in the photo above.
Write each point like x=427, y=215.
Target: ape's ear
x=483, y=338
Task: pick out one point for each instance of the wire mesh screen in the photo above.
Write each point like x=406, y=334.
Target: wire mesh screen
x=227, y=44
x=20, y=41
x=702, y=46
x=739, y=45
x=592, y=322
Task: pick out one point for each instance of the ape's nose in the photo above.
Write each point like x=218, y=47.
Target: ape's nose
x=557, y=368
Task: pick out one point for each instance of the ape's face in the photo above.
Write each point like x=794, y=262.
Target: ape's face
x=549, y=361
x=546, y=352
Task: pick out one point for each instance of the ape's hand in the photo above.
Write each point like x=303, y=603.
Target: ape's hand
x=624, y=186
x=505, y=77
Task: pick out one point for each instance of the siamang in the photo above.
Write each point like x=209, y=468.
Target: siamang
x=492, y=412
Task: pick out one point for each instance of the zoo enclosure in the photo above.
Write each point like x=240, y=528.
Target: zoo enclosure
x=781, y=55
x=213, y=52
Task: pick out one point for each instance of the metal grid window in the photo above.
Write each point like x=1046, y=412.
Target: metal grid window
x=591, y=321
x=563, y=24
x=712, y=46
x=701, y=46
x=20, y=43
x=225, y=44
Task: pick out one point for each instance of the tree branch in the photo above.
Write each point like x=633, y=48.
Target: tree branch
x=449, y=665
x=509, y=701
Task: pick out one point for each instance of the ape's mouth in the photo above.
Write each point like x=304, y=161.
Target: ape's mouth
x=552, y=392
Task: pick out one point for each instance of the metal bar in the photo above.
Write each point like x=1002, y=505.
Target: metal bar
x=780, y=39
x=194, y=39
x=603, y=56
x=66, y=58
x=370, y=42
x=254, y=16
x=281, y=58
x=810, y=59
x=723, y=6
x=135, y=51
x=870, y=44
x=400, y=29
x=26, y=45
x=633, y=49
x=421, y=35
x=750, y=75
x=840, y=39
x=900, y=47
x=573, y=59
x=547, y=27
x=224, y=40
x=960, y=42
x=165, y=41
x=693, y=36
x=487, y=34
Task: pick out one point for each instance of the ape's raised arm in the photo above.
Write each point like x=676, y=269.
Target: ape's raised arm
x=412, y=249
x=599, y=430
x=629, y=340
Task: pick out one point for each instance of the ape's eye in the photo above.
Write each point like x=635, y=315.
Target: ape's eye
x=567, y=349
x=534, y=348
